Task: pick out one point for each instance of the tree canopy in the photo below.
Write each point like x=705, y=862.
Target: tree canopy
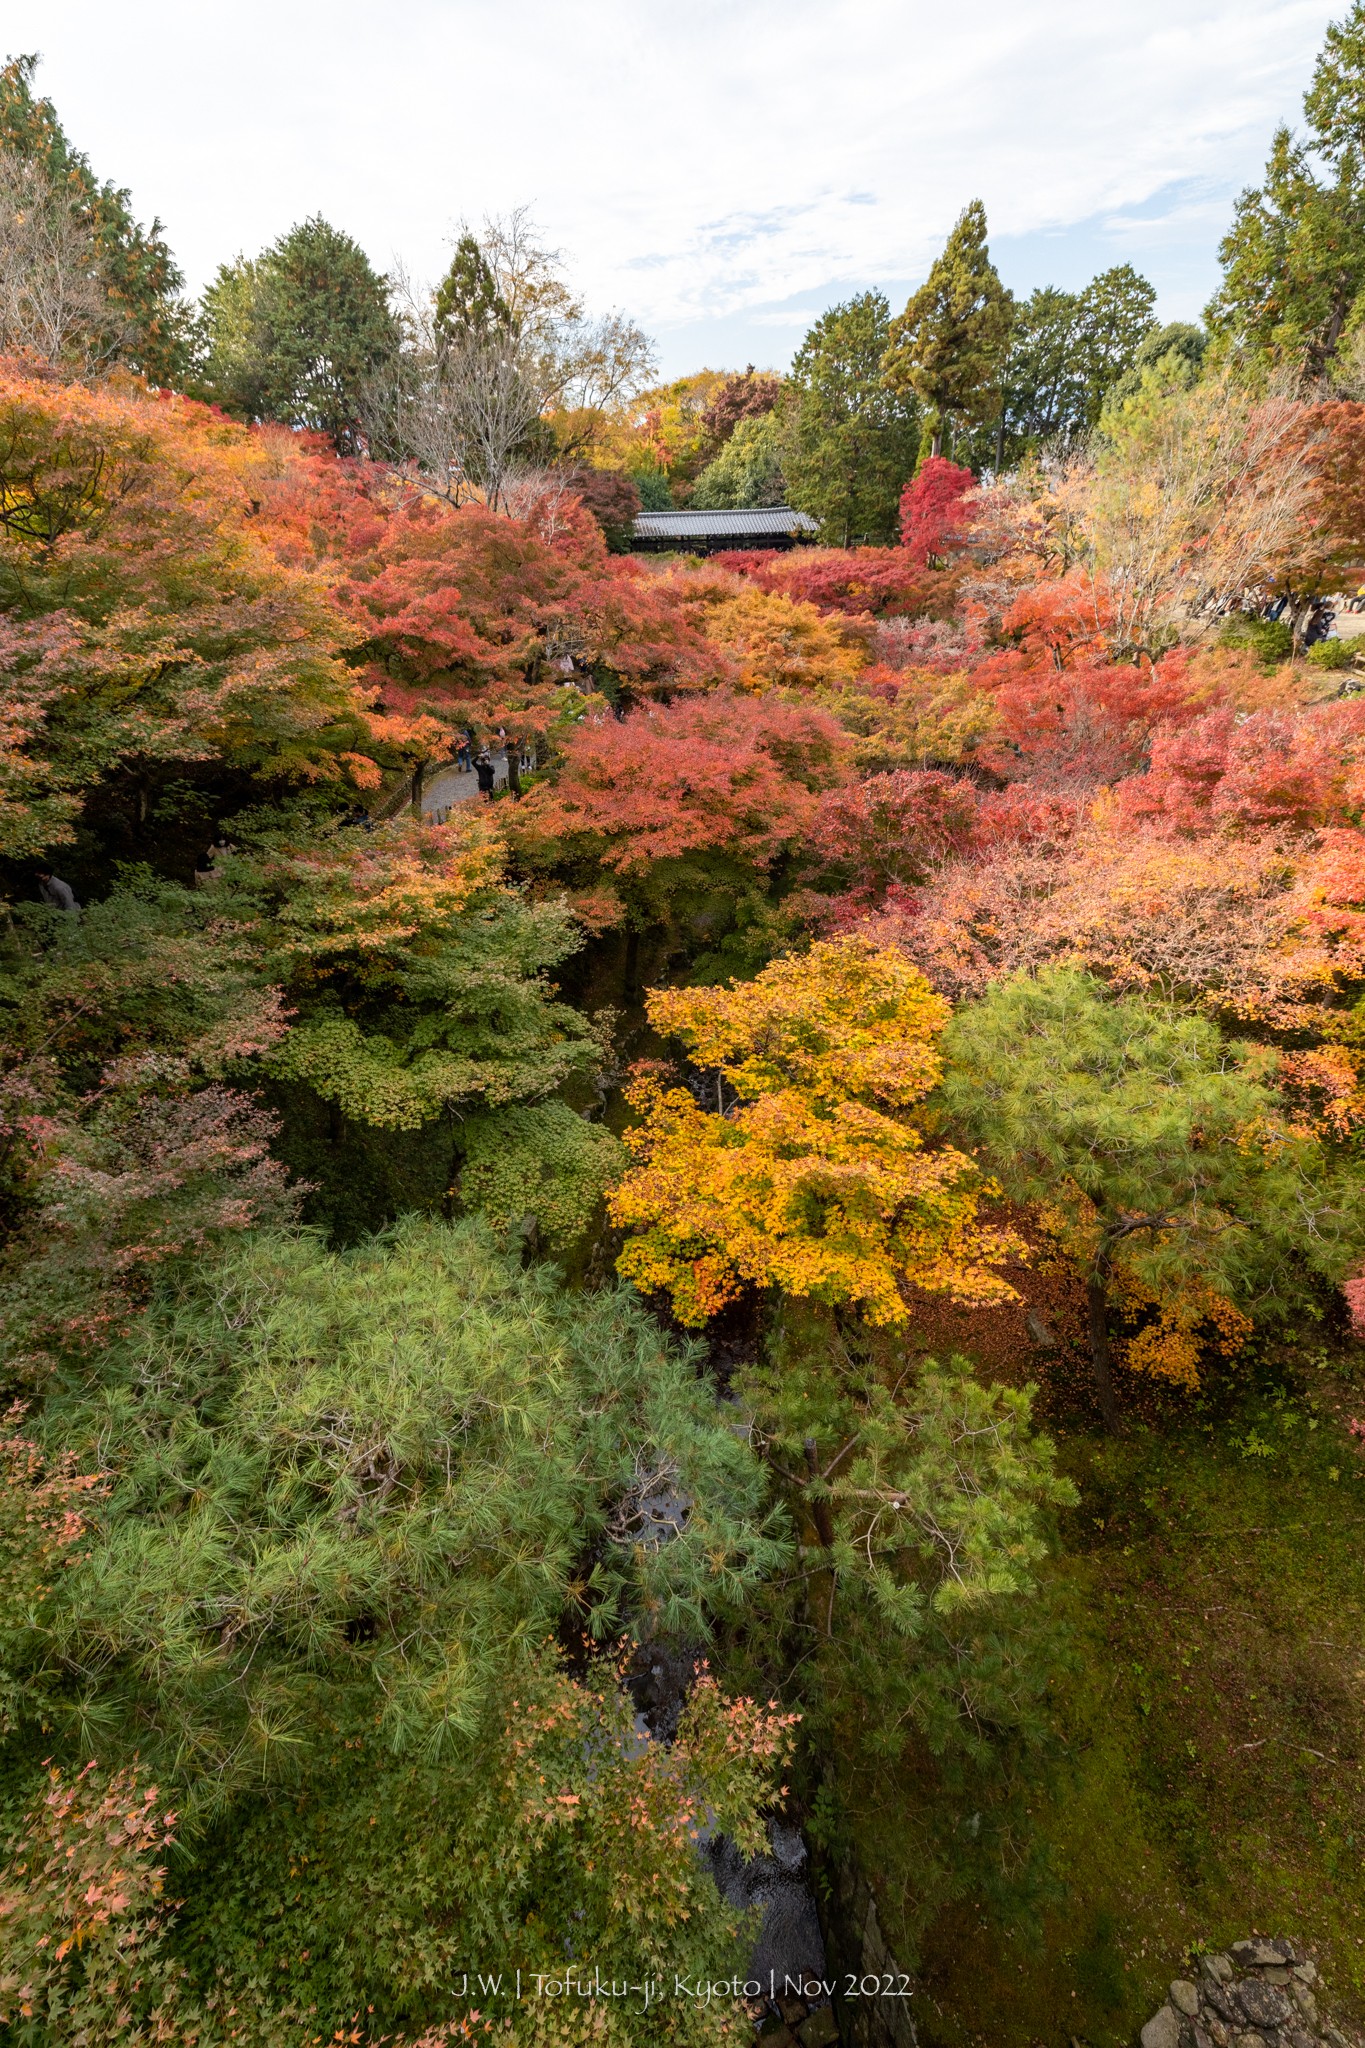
x=294, y=333
x=1294, y=258
x=848, y=441
x=139, y=316
x=815, y=1178
x=1169, y=1168
x=948, y=346
x=930, y=965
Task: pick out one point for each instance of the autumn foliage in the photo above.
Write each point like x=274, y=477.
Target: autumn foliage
x=734, y=775
x=934, y=516
x=814, y=1177
x=998, y=903
x=859, y=582
x=148, y=620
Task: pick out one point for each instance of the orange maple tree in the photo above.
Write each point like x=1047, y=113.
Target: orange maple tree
x=149, y=622
x=480, y=619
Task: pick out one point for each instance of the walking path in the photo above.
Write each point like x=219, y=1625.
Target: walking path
x=449, y=786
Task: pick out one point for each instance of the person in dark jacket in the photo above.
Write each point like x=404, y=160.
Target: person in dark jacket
x=58, y=894
x=483, y=768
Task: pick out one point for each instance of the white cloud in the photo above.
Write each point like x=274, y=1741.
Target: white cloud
x=698, y=163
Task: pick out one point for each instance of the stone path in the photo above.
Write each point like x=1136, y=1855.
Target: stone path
x=448, y=786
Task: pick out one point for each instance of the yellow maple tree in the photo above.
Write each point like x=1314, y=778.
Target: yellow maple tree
x=810, y=1175
x=775, y=642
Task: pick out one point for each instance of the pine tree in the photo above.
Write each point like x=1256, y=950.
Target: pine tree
x=148, y=324
x=335, y=1545
x=1165, y=1167
x=948, y=345
x=294, y=334
x=468, y=302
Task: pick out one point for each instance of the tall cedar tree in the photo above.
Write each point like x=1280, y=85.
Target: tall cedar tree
x=1294, y=258
x=948, y=346
x=1118, y=310
x=848, y=442
x=294, y=334
x=1067, y=350
x=143, y=281
x=468, y=302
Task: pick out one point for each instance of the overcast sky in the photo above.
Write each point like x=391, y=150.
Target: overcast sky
x=721, y=169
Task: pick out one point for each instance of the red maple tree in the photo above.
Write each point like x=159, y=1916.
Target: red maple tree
x=934, y=515
x=720, y=773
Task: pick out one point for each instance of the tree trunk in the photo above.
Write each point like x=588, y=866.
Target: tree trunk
x=936, y=445
x=823, y=1518
x=1321, y=351
x=820, y=1509
x=418, y=777
x=514, y=767
x=1100, y=1353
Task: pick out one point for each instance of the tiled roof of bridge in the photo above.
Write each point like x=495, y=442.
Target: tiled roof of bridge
x=751, y=524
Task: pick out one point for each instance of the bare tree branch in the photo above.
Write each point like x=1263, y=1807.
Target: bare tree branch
x=456, y=408
x=54, y=303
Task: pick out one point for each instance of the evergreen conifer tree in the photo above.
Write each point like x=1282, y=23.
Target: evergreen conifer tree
x=148, y=322
x=948, y=345
x=1294, y=257
x=847, y=440
x=294, y=334
x=468, y=302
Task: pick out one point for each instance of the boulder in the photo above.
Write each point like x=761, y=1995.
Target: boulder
x=1218, y=1998
x=1258, y=1951
x=1265, y=2005
x=820, y=2030
x=1163, y=2029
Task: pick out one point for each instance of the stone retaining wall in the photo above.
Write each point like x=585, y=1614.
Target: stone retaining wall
x=878, y=2014
x=1262, y=1994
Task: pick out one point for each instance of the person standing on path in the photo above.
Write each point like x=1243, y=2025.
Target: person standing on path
x=483, y=768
